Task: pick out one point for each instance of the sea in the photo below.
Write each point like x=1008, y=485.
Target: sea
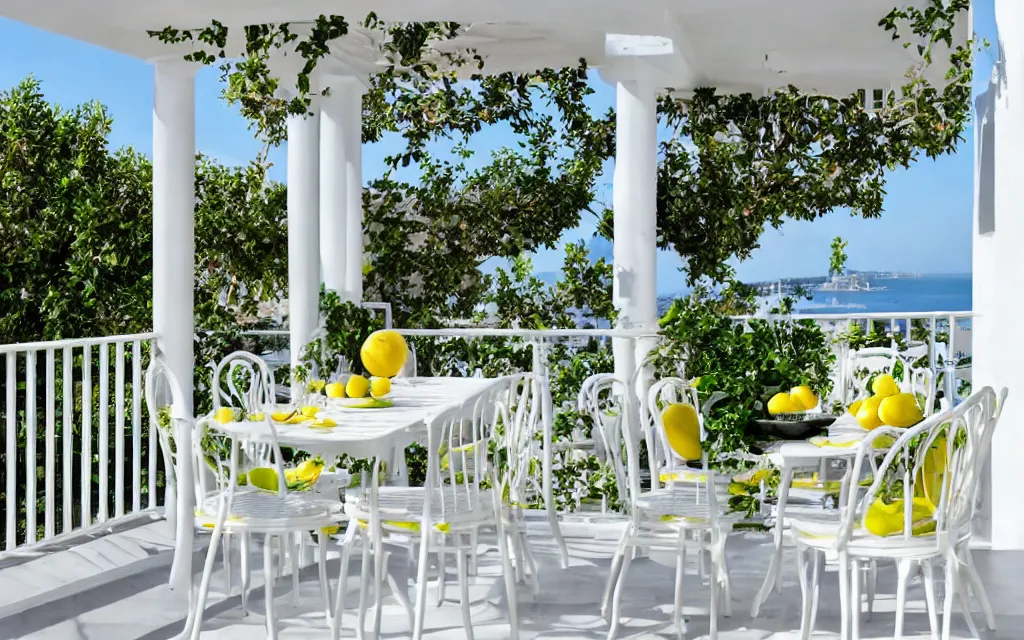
x=899, y=295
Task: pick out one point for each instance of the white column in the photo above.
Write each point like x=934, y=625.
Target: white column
x=333, y=189
x=174, y=149
x=634, y=197
x=352, y=96
x=341, y=187
x=303, y=230
x=998, y=348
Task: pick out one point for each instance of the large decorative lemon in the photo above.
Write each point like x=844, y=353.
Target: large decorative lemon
x=900, y=410
x=888, y=519
x=357, y=387
x=854, y=407
x=928, y=483
x=805, y=395
x=867, y=415
x=384, y=353
x=682, y=429
x=784, y=403
x=885, y=385
x=380, y=387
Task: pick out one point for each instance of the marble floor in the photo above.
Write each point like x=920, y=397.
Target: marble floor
x=142, y=607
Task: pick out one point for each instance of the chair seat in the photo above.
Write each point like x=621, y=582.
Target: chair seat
x=265, y=510
x=401, y=508
x=821, y=535
x=676, y=505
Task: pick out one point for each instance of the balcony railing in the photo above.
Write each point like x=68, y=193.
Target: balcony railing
x=79, y=402
x=78, y=449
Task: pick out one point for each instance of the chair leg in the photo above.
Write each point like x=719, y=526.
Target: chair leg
x=929, y=596
x=715, y=596
x=802, y=554
x=855, y=605
x=816, y=571
x=903, y=568
x=474, y=543
x=678, y=604
x=976, y=585
x=380, y=559
x=951, y=589
x=963, y=597
x=844, y=596
x=325, y=584
x=531, y=562
x=421, y=585
x=613, y=574
x=442, y=577
x=462, y=561
x=194, y=622
x=268, y=568
x=620, y=581
x=510, y=583
x=245, y=545
x=871, y=581
x=364, y=586
x=339, y=600
x=228, y=574
x=293, y=550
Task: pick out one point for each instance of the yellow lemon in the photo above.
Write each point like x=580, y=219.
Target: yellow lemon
x=885, y=385
x=263, y=478
x=256, y=417
x=309, y=470
x=900, y=410
x=316, y=386
x=682, y=429
x=323, y=423
x=854, y=408
x=782, y=402
x=928, y=483
x=384, y=354
x=888, y=519
x=357, y=387
x=805, y=395
x=281, y=416
x=310, y=411
x=867, y=415
x=224, y=415
x=380, y=387
x=335, y=390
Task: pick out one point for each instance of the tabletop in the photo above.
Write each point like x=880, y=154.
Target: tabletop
x=365, y=433
x=800, y=452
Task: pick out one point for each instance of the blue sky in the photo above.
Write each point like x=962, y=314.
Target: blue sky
x=931, y=200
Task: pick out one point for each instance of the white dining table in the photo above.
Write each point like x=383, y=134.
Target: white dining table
x=360, y=433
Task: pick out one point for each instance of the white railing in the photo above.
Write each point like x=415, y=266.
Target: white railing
x=89, y=431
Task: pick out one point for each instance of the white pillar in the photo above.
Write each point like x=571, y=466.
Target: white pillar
x=998, y=348
x=174, y=149
x=352, y=96
x=333, y=189
x=634, y=197
x=303, y=230
x=341, y=187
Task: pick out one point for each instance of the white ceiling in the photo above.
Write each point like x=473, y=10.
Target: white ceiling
x=829, y=46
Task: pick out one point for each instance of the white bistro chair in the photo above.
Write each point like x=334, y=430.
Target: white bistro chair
x=670, y=517
x=922, y=537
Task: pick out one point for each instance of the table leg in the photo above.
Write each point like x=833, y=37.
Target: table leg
x=774, y=569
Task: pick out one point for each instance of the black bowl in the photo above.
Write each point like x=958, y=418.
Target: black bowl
x=796, y=429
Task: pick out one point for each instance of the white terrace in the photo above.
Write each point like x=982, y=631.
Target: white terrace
x=108, y=579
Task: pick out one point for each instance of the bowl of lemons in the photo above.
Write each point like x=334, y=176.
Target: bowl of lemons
x=795, y=414
x=360, y=392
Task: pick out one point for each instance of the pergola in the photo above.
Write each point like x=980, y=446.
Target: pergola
x=831, y=47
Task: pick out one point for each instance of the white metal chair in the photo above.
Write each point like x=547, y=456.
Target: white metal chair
x=253, y=512
x=941, y=536
x=671, y=517
x=446, y=512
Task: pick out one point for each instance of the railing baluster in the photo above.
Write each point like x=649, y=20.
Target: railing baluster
x=933, y=352
x=12, y=451
x=119, y=429
x=30, y=446
x=49, y=518
x=103, y=441
x=154, y=449
x=136, y=426
x=86, y=466
x=67, y=437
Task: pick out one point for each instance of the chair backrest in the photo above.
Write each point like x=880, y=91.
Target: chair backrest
x=872, y=359
x=662, y=394
x=165, y=404
x=243, y=380
x=518, y=408
x=602, y=397
x=920, y=381
x=953, y=443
